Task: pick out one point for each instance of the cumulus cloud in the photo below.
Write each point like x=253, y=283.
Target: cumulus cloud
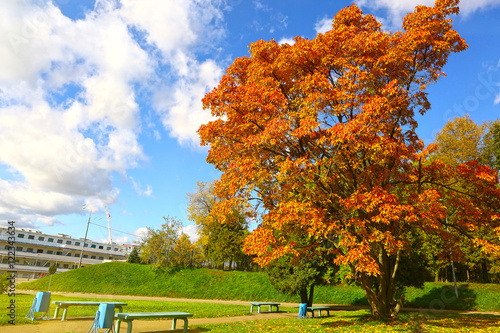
x=141, y=233
x=191, y=231
x=69, y=116
x=398, y=9
x=323, y=25
x=289, y=41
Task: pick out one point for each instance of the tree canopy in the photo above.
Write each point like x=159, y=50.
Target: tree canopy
x=221, y=243
x=322, y=134
x=460, y=141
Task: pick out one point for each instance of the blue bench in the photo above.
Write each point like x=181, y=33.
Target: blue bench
x=319, y=309
x=129, y=317
x=259, y=304
x=65, y=304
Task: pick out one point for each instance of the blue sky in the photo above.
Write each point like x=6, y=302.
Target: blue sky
x=100, y=100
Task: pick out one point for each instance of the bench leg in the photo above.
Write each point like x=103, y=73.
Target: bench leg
x=119, y=307
x=174, y=322
x=56, y=312
x=65, y=312
x=118, y=322
x=251, y=308
x=258, y=309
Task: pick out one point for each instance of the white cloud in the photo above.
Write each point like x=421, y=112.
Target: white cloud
x=323, y=25
x=69, y=116
x=397, y=9
x=141, y=233
x=289, y=41
x=137, y=188
x=191, y=231
x=182, y=108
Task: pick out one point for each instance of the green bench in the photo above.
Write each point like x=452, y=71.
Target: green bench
x=65, y=304
x=129, y=317
x=258, y=305
x=319, y=309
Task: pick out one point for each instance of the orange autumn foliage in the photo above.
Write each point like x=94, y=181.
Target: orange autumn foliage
x=323, y=133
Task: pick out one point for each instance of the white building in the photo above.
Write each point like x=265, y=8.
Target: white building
x=36, y=251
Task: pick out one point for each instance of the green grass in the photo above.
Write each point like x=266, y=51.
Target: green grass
x=200, y=310
x=359, y=321
x=135, y=279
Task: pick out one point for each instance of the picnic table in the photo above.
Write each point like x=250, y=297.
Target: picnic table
x=319, y=309
x=258, y=305
x=129, y=317
x=65, y=304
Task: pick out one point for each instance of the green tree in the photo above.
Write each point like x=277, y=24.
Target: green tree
x=220, y=242
x=299, y=276
x=491, y=141
x=157, y=247
x=184, y=252
x=133, y=257
x=4, y=282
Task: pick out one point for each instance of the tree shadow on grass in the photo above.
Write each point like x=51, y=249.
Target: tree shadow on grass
x=440, y=322
x=346, y=320
x=444, y=298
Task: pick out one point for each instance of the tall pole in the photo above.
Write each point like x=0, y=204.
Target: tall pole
x=85, y=239
x=452, y=266
x=109, y=228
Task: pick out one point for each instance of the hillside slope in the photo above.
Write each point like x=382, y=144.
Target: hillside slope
x=201, y=283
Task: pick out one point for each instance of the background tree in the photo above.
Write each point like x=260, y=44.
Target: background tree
x=491, y=141
x=460, y=141
x=323, y=133
x=220, y=242
x=299, y=276
x=157, y=247
x=133, y=257
x=184, y=253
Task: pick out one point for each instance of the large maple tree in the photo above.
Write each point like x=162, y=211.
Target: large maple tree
x=322, y=134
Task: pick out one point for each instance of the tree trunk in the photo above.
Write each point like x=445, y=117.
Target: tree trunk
x=379, y=290
x=311, y=296
x=304, y=298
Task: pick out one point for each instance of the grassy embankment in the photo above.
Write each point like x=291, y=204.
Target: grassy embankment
x=128, y=279
x=135, y=279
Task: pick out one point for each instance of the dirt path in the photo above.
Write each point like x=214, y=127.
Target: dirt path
x=82, y=324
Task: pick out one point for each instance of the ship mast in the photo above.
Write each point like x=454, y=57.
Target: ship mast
x=109, y=228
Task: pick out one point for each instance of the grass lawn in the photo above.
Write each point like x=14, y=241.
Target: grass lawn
x=135, y=279
x=359, y=321
x=200, y=310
